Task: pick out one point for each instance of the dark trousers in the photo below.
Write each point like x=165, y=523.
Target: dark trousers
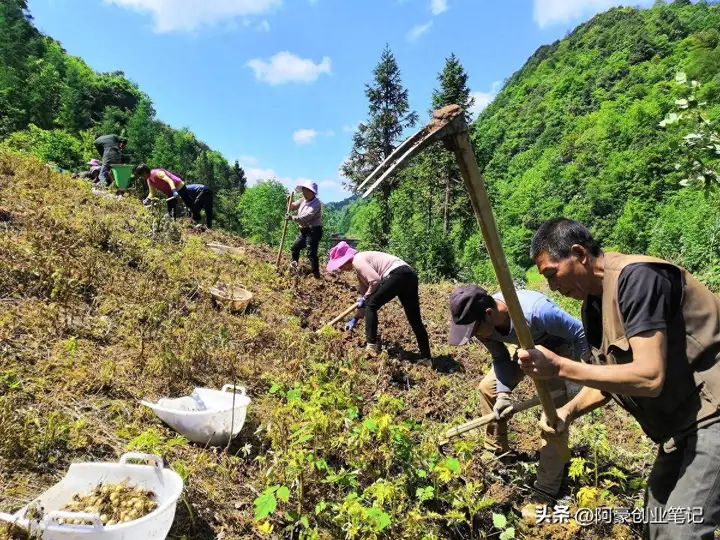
x=687, y=479
x=172, y=203
x=308, y=238
x=403, y=284
x=104, y=176
x=204, y=201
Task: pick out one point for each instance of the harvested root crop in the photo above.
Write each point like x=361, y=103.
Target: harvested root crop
x=114, y=503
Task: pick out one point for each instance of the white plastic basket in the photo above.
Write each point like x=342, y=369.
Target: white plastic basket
x=217, y=424
x=83, y=477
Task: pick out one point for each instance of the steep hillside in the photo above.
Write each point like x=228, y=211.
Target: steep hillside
x=103, y=303
x=575, y=132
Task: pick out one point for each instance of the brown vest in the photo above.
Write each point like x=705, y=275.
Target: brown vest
x=691, y=394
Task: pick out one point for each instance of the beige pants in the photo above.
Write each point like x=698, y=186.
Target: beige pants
x=554, y=453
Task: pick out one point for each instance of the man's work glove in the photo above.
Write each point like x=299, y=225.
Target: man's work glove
x=503, y=406
x=147, y=201
x=288, y=217
x=351, y=324
x=560, y=428
x=557, y=436
x=360, y=302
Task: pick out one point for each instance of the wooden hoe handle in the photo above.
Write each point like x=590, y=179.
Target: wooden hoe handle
x=282, y=240
x=339, y=317
x=475, y=185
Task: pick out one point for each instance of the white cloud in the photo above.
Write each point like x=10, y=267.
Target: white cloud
x=248, y=160
x=263, y=26
x=350, y=129
x=549, y=12
x=256, y=175
x=189, y=15
x=483, y=99
x=417, y=31
x=438, y=6
x=286, y=67
x=305, y=136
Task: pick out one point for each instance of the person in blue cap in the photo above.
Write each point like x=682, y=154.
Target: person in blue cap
x=478, y=314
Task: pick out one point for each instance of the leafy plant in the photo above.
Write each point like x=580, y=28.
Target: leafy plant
x=699, y=149
x=501, y=522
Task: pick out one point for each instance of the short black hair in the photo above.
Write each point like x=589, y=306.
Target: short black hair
x=141, y=169
x=557, y=236
x=486, y=301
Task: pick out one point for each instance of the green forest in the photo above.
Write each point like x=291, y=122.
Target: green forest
x=598, y=126
x=576, y=132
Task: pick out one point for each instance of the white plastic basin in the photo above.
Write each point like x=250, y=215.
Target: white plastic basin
x=216, y=425
x=83, y=477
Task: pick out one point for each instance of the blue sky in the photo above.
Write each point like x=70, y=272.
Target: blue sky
x=279, y=84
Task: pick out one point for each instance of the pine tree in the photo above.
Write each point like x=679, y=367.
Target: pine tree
x=163, y=153
x=142, y=132
x=203, y=171
x=453, y=90
x=239, y=180
x=389, y=115
x=74, y=114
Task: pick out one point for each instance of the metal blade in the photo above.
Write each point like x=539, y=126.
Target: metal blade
x=446, y=121
x=400, y=149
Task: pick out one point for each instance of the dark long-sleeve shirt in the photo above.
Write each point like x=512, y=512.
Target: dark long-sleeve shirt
x=109, y=148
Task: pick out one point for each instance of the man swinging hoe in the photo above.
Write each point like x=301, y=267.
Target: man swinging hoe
x=653, y=332
x=449, y=126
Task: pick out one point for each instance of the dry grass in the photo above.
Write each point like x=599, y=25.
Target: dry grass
x=103, y=303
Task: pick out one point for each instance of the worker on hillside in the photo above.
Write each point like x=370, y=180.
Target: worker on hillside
x=475, y=313
x=203, y=199
x=654, y=335
x=309, y=219
x=110, y=148
x=93, y=173
x=162, y=180
x=382, y=277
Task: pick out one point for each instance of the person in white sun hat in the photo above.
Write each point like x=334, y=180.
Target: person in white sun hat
x=309, y=219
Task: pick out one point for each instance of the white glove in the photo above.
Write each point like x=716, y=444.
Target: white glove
x=503, y=406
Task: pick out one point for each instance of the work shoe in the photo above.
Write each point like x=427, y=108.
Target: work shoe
x=372, y=350
x=294, y=266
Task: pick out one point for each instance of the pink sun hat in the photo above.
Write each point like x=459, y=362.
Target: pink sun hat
x=339, y=255
x=93, y=162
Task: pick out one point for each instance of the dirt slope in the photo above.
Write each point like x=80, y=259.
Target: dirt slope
x=103, y=303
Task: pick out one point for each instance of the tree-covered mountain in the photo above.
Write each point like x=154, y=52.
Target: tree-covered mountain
x=576, y=132
x=52, y=105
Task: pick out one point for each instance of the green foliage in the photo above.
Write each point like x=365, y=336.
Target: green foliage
x=575, y=131
x=389, y=114
x=699, y=149
x=54, y=146
x=43, y=88
x=262, y=210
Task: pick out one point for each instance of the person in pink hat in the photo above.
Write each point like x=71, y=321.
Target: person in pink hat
x=382, y=277
x=92, y=174
x=309, y=219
